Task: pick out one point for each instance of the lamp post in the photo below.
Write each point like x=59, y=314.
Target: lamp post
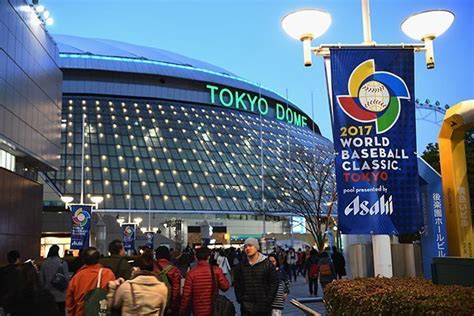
x=309, y=24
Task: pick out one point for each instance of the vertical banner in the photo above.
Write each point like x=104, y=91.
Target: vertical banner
x=434, y=241
x=81, y=226
x=128, y=232
x=149, y=239
x=374, y=134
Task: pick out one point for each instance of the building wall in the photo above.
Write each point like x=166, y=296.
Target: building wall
x=30, y=86
x=20, y=217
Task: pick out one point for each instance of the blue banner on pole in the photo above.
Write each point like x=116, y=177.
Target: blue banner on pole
x=81, y=225
x=149, y=239
x=128, y=232
x=434, y=240
x=373, y=113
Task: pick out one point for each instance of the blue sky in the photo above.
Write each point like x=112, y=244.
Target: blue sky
x=245, y=37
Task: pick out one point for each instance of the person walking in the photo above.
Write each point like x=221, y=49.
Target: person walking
x=50, y=277
x=143, y=294
x=283, y=287
x=199, y=290
x=223, y=263
x=85, y=280
x=170, y=275
x=326, y=269
x=117, y=262
x=256, y=282
x=339, y=262
x=27, y=297
x=291, y=260
x=8, y=276
x=313, y=271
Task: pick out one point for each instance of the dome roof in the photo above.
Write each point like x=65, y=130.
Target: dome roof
x=108, y=55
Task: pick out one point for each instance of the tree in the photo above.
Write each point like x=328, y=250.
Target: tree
x=307, y=188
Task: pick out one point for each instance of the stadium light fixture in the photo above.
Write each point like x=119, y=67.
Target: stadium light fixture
x=426, y=26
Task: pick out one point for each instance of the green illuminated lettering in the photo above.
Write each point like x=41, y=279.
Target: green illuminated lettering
x=239, y=98
x=213, y=89
x=252, y=102
x=280, y=111
x=297, y=119
x=260, y=101
x=230, y=96
x=303, y=121
x=289, y=115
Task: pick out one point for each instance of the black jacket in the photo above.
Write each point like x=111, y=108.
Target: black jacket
x=256, y=286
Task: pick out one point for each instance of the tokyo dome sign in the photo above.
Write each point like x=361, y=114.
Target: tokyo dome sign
x=256, y=104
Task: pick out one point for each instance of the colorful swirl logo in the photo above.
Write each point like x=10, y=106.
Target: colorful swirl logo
x=80, y=217
x=374, y=96
x=128, y=232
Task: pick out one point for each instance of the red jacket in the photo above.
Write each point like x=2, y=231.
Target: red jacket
x=198, y=287
x=174, y=277
x=84, y=281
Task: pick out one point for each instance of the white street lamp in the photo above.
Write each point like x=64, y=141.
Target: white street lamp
x=120, y=220
x=138, y=220
x=97, y=199
x=67, y=200
x=426, y=26
x=306, y=25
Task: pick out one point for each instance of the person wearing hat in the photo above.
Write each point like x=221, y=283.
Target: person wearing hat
x=256, y=281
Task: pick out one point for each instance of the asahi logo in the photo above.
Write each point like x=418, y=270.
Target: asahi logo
x=382, y=206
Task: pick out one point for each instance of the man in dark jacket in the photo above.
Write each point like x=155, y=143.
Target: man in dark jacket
x=199, y=288
x=8, y=275
x=117, y=262
x=256, y=282
x=339, y=262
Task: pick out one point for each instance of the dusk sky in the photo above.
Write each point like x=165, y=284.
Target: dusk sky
x=246, y=38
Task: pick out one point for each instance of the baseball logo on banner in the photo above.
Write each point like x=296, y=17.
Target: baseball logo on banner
x=149, y=239
x=81, y=225
x=128, y=232
x=375, y=141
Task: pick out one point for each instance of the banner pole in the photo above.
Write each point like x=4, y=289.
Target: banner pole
x=366, y=22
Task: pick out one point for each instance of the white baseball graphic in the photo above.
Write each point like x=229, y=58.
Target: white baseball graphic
x=374, y=96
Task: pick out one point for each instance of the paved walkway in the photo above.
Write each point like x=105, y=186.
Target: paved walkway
x=298, y=289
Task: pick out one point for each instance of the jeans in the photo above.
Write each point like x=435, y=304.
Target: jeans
x=313, y=286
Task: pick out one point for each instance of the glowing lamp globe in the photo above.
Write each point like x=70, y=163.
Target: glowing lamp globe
x=427, y=24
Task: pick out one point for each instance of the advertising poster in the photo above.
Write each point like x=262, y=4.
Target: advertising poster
x=81, y=225
x=373, y=112
x=149, y=239
x=128, y=233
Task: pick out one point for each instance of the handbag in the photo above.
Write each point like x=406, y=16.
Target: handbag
x=59, y=280
x=221, y=305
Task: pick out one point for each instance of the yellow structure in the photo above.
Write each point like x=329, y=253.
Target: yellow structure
x=457, y=121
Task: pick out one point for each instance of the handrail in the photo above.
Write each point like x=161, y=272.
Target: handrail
x=305, y=309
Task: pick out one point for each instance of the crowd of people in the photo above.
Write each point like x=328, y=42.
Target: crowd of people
x=161, y=282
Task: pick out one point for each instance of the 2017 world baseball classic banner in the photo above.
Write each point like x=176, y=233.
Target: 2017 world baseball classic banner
x=373, y=113
x=128, y=233
x=81, y=226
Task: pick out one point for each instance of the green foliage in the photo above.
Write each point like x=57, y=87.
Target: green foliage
x=397, y=296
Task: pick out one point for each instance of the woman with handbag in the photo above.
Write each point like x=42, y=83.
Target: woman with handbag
x=54, y=277
x=143, y=294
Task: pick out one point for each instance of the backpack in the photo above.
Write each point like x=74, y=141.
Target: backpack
x=95, y=301
x=313, y=271
x=325, y=269
x=59, y=280
x=163, y=277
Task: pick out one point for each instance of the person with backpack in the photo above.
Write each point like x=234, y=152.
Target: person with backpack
x=326, y=269
x=199, y=289
x=54, y=277
x=171, y=277
x=86, y=293
x=117, y=262
x=143, y=294
x=313, y=271
x=256, y=282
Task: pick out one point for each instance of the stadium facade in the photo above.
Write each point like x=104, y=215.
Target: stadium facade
x=177, y=136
